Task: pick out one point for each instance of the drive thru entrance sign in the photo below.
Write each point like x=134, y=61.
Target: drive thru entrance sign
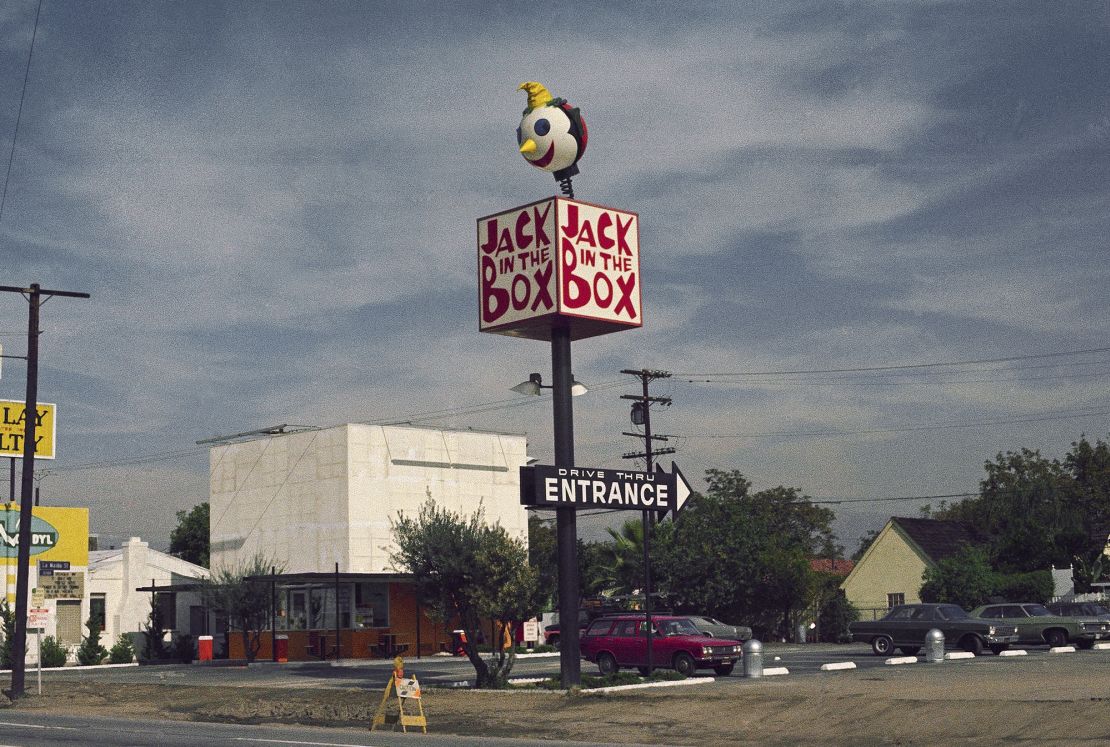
x=544, y=486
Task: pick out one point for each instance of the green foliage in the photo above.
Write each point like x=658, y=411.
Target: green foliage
x=7, y=620
x=742, y=556
x=190, y=540
x=123, y=652
x=90, y=651
x=245, y=603
x=965, y=579
x=1035, y=586
x=622, y=559
x=52, y=653
x=154, y=646
x=1036, y=512
x=183, y=648
x=591, y=681
x=833, y=618
x=466, y=570
x=1086, y=571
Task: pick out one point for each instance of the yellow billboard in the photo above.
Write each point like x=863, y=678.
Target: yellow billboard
x=57, y=534
x=13, y=415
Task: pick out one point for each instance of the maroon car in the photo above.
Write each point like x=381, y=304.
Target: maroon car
x=619, y=641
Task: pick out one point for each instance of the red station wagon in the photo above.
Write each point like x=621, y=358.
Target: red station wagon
x=621, y=641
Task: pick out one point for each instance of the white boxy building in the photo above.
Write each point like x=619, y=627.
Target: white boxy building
x=318, y=504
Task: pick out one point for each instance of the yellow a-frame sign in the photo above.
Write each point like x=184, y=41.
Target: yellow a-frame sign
x=406, y=689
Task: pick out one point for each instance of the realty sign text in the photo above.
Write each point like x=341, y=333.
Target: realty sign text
x=13, y=424
x=559, y=262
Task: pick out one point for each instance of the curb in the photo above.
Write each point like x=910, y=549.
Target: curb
x=839, y=665
x=956, y=655
x=774, y=671
x=1062, y=650
x=902, y=660
x=1101, y=647
x=668, y=683
x=1014, y=652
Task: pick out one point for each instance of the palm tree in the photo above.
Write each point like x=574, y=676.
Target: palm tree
x=622, y=560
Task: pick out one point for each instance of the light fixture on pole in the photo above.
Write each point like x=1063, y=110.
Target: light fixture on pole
x=535, y=384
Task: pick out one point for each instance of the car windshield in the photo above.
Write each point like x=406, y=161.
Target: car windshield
x=676, y=627
x=1037, y=610
x=951, y=612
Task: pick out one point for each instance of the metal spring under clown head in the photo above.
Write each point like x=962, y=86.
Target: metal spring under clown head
x=566, y=187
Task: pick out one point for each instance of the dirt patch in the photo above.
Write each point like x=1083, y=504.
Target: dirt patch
x=982, y=703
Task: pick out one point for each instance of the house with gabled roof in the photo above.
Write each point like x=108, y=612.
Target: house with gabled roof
x=890, y=571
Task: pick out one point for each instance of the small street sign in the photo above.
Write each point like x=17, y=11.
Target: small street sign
x=581, y=488
x=38, y=618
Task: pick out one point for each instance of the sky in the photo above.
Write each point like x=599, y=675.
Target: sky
x=873, y=235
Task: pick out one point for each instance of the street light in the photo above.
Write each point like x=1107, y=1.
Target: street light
x=535, y=384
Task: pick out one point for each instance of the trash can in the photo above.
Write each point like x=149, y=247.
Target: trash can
x=753, y=658
x=281, y=648
x=458, y=642
x=204, y=648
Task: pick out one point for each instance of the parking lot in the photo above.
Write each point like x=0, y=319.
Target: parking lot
x=1039, y=697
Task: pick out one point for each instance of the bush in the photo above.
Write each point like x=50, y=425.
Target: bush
x=183, y=648
x=123, y=652
x=834, y=618
x=1035, y=586
x=52, y=653
x=91, y=652
x=7, y=620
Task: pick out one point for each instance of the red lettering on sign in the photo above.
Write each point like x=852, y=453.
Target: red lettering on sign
x=622, y=235
x=626, y=285
x=523, y=240
x=499, y=297
x=604, y=223
x=543, y=293
x=580, y=295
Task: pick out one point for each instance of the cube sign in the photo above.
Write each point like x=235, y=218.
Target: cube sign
x=559, y=263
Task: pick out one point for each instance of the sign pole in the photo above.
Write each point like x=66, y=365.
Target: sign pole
x=34, y=296
x=570, y=663
x=38, y=642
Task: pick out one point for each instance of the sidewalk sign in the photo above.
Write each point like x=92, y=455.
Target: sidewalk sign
x=406, y=689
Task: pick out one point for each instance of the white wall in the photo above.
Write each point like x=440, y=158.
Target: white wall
x=308, y=500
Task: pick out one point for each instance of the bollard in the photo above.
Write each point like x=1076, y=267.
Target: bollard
x=934, y=646
x=753, y=658
x=801, y=637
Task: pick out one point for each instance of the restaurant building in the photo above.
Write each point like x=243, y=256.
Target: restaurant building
x=317, y=506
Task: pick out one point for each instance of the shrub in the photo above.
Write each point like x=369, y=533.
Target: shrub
x=7, y=620
x=91, y=652
x=1035, y=586
x=123, y=652
x=183, y=648
x=52, y=653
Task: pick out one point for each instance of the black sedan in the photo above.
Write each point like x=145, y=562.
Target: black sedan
x=906, y=626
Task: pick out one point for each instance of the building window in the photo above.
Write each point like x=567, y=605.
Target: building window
x=97, y=610
x=371, y=605
x=895, y=599
x=167, y=605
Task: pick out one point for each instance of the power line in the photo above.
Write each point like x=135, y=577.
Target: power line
x=907, y=366
x=19, y=112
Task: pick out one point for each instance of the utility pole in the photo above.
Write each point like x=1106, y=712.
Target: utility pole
x=641, y=415
x=35, y=297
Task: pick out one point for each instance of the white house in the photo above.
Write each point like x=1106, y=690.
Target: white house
x=113, y=580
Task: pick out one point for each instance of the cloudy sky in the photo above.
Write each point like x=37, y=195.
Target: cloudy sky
x=874, y=235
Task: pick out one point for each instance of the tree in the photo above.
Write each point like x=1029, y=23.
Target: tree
x=468, y=571
x=190, y=539
x=154, y=647
x=622, y=559
x=965, y=579
x=7, y=620
x=744, y=556
x=90, y=651
x=238, y=593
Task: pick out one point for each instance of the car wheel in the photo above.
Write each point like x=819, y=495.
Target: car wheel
x=607, y=664
x=882, y=645
x=973, y=644
x=1056, y=637
x=724, y=670
x=999, y=648
x=684, y=664
x=910, y=650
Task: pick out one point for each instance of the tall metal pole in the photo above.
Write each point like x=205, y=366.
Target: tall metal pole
x=566, y=530
x=647, y=532
x=30, y=416
x=34, y=296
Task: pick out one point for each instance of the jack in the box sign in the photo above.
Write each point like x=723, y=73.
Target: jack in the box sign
x=559, y=262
